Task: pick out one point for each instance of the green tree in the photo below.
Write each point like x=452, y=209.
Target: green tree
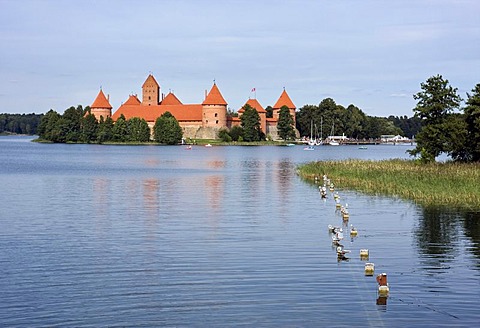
x=70, y=124
x=436, y=103
x=224, y=135
x=250, y=122
x=472, y=119
x=46, y=128
x=120, y=129
x=269, y=110
x=105, y=130
x=285, y=127
x=89, y=128
x=167, y=130
x=236, y=132
x=138, y=130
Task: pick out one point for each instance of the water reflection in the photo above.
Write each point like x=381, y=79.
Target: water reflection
x=472, y=231
x=440, y=235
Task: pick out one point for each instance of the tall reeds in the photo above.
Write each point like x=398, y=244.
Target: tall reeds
x=451, y=184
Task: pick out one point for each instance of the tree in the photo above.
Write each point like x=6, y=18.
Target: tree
x=285, y=128
x=436, y=103
x=46, y=128
x=70, y=124
x=236, y=132
x=138, y=130
x=120, y=129
x=224, y=135
x=89, y=128
x=269, y=111
x=250, y=122
x=167, y=130
x=472, y=119
x=105, y=129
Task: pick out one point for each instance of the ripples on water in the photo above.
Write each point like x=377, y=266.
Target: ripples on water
x=227, y=236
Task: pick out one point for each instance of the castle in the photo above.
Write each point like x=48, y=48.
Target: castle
x=198, y=121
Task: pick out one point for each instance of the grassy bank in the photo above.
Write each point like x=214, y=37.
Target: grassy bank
x=450, y=184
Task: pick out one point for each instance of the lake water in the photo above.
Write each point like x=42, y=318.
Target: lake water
x=95, y=235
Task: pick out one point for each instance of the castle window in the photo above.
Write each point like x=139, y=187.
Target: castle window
x=216, y=114
x=149, y=98
x=216, y=122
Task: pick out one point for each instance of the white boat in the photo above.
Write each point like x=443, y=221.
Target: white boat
x=312, y=141
x=332, y=142
x=309, y=148
x=208, y=145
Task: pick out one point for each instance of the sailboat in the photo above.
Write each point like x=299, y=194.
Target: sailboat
x=320, y=139
x=312, y=141
x=332, y=142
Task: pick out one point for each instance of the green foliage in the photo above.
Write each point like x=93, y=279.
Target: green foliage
x=89, y=128
x=69, y=125
x=120, y=130
x=251, y=124
x=269, y=110
x=47, y=129
x=409, y=126
x=138, y=130
x=224, y=136
x=472, y=120
x=167, y=130
x=350, y=121
x=436, y=103
x=105, y=130
x=436, y=100
x=236, y=132
x=285, y=127
x=20, y=123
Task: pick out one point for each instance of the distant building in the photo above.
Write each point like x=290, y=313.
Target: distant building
x=198, y=121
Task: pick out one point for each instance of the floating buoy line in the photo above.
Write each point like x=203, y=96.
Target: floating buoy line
x=337, y=235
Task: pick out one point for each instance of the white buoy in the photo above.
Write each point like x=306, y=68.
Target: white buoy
x=383, y=288
x=369, y=269
x=353, y=231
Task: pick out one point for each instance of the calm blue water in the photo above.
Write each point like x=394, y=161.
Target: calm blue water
x=225, y=236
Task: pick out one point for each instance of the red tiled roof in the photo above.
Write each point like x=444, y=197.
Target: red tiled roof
x=284, y=100
x=101, y=101
x=254, y=104
x=170, y=99
x=149, y=79
x=132, y=100
x=151, y=113
x=214, y=97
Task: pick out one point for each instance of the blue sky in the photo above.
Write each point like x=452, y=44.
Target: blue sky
x=373, y=54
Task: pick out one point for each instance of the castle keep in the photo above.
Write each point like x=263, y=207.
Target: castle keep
x=198, y=121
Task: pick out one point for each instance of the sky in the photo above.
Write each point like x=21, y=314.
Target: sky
x=370, y=53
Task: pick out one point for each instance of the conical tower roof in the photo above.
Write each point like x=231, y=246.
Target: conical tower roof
x=284, y=100
x=150, y=79
x=214, y=97
x=254, y=104
x=132, y=100
x=101, y=101
x=171, y=99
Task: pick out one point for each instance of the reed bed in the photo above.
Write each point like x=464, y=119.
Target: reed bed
x=450, y=184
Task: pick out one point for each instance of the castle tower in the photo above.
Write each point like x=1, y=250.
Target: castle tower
x=101, y=106
x=150, y=91
x=261, y=112
x=214, y=109
x=284, y=100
